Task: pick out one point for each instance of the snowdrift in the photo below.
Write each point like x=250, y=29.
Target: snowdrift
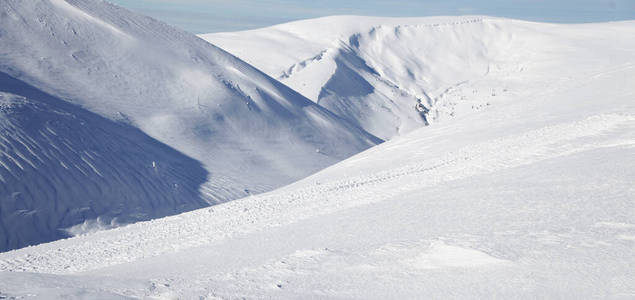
x=250, y=132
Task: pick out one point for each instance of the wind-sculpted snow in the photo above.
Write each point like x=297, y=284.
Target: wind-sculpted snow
x=202, y=227
x=62, y=166
x=250, y=132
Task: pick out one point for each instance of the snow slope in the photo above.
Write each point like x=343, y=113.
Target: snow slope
x=529, y=198
x=373, y=70
x=176, y=88
x=250, y=132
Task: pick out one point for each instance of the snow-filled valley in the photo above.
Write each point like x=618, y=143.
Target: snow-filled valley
x=520, y=187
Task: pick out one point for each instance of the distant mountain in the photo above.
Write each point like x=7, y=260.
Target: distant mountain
x=140, y=86
x=373, y=71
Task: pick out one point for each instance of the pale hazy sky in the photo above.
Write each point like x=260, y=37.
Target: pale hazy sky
x=201, y=16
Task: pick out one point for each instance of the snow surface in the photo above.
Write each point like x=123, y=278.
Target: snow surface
x=529, y=197
x=125, y=72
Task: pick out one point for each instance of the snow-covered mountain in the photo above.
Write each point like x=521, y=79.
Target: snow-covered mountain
x=373, y=71
x=250, y=132
x=531, y=197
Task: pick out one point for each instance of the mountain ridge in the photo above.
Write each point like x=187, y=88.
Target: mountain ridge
x=250, y=132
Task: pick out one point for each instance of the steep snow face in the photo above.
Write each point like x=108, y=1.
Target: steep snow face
x=251, y=132
x=373, y=71
x=66, y=171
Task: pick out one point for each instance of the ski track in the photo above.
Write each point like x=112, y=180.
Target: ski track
x=255, y=213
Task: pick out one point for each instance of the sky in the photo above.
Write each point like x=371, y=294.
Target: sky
x=203, y=16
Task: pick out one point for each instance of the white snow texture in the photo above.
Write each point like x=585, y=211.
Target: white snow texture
x=520, y=187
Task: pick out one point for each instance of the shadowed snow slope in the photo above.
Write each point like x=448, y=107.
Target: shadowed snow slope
x=62, y=165
x=531, y=197
x=250, y=132
x=372, y=70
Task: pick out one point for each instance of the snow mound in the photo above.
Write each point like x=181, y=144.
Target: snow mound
x=440, y=255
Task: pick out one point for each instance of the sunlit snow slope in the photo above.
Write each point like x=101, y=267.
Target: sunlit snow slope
x=372, y=71
x=530, y=197
x=250, y=132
